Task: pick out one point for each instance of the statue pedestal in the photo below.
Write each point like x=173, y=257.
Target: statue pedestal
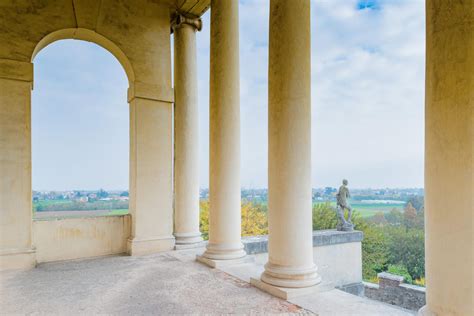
x=346, y=227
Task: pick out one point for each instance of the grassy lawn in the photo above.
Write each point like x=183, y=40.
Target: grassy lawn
x=51, y=215
x=68, y=205
x=370, y=209
x=50, y=202
x=364, y=209
x=118, y=212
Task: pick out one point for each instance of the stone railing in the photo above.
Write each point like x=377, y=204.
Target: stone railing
x=392, y=290
x=337, y=254
x=259, y=244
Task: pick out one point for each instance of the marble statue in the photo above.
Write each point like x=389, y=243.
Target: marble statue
x=342, y=204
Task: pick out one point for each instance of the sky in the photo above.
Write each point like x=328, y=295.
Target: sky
x=367, y=101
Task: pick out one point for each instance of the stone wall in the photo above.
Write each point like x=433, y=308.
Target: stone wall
x=392, y=290
x=337, y=254
x=74, y=238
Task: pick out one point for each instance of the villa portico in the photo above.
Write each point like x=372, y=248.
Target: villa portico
x=164, y=187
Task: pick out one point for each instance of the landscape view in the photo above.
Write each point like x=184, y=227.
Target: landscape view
x=392, y=220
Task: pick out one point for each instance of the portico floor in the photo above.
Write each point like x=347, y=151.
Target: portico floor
x=166, y=283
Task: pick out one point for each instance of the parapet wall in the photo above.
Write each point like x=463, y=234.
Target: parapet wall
x=74, y=238
x=337, y=254
x=392, y=290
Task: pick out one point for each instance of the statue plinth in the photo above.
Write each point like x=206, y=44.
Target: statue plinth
x=346, y=227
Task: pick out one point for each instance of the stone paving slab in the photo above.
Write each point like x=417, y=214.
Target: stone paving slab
x=162, y=284
x=327, y=301
x=166, y=283
x=339, y=303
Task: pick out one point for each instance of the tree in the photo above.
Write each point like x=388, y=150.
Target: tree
x=374, y=252
x=124, y=193
x=409, y=216
x=102, y=194
x=408, y=248
x=400, y=269
x=324, y=216
x=379, y=219
x=359, y=222
x=420, y=218
x=253, y=217
x=417, y=202
x=254, y=220
x=394, y=217
x=204, y=219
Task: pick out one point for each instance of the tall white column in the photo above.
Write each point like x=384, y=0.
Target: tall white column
x=290, y=244
x=186, y=140
x=449, y=158
x=16, y=249
x=224, y=186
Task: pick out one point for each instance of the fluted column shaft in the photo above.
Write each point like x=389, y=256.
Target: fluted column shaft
x=186, y=140
x=224, y=177
x=289, y=153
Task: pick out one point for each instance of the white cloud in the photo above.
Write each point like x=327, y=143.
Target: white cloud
x=80, y=120
x=367, y=93
x=367, y=100
x=368, y=87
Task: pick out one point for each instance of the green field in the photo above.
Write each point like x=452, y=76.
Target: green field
x=68, y=205
x=370, y=209
x=118, y=212
x=50, y=215
x=45, y=203
x=120, y=208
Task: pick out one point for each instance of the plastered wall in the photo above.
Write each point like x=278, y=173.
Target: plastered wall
x=75, y=238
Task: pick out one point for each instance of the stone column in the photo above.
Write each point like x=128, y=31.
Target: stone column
x=186, y=140
x=16, y=249
x=290, y=245
x=224, y=186
x=449, y=158
x=151, y=163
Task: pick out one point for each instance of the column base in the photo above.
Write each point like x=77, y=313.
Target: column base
x=140, y=247
x=290, y=277
x=188, y=238
x=424, y=311
x=217, y=264
x=12, y=259
x=224, y=251
x=201, y=244
x=289, y=293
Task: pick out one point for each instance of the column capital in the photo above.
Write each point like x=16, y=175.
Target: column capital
x=16, y=70
x=180, y=20
x=154, y=92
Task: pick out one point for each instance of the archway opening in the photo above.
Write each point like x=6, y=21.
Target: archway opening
x=80, y=132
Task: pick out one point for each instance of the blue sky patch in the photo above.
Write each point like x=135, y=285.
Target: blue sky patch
x=368, y=4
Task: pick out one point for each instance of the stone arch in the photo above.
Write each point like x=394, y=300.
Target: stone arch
x=89, y=36
x=138, y=36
